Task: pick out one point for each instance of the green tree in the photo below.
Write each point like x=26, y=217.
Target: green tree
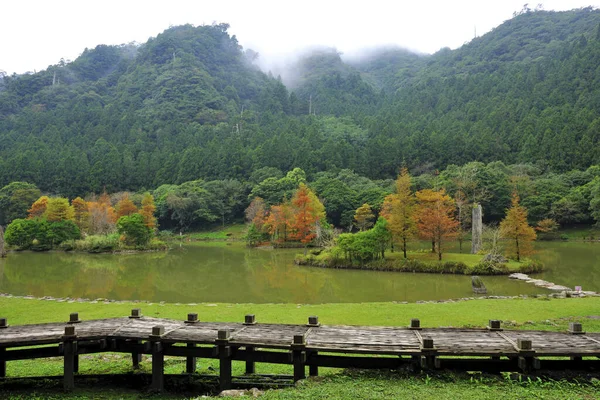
x=15, y=200
x=134, y=230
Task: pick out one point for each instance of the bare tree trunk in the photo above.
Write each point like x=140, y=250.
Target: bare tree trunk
x=477, y=229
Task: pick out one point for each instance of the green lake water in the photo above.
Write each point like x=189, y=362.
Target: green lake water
x=234, y=274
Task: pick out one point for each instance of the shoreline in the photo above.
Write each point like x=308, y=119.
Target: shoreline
x=554, y=295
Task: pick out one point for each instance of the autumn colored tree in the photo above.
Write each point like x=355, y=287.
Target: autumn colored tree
x=435, y=217
x=147, y=211
x=102, y=216
x=398, y=209
x=80, y=213
x=125, y=207
x=308, y=210
x=280, y=221
x=516, y=228
x=59, y=209
x=256, y=213
x=38, y=208
x=363, y=217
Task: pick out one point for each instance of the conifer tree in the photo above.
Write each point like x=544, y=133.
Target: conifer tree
x=435, y=217
x=308, y=210
x=80, y=213
x=516, y=228
x=398, y=210
x=38, y=208
x=125, y=207
x=58, y=209
x=147, y=211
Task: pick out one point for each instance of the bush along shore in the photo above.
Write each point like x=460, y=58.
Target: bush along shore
x=462, y=264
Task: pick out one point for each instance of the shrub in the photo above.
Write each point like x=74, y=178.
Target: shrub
x=489, y=268
x=98, y=244
x=531, y=267
x=39, y=234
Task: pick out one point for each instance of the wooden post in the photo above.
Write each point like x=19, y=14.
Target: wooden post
x=136, y=358
x=428, y=351
x=313, y=321
x=191, y=362
x=526, y=352
x=299, y=357
x=3, y=325
x=70, y=350
x=158, y=359
x=250, y=319
x=74, y=318
x=575, y=328
x=494, y=325
x=224, y=352
x=415, y=324
x=2, y=363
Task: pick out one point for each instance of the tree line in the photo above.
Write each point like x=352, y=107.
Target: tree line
x=571, y=198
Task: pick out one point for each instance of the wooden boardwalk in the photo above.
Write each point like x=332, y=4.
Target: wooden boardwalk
x=311, y=345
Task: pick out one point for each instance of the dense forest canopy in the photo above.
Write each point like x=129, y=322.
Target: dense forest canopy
x=191, y=106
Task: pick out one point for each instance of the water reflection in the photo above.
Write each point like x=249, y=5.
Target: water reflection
x=233, y=273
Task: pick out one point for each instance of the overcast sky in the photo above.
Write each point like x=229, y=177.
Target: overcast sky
x=37, y=33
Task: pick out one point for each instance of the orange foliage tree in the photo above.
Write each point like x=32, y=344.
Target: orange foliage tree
x=147, y=211
x=515, y=228
x=125, y=207
x=280, y=221
x=308, y=210
x=435, y=217
x=38, y=208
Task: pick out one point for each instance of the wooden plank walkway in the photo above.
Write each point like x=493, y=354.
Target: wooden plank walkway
x=491, y=349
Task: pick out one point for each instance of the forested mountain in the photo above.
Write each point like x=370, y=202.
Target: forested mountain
x=191, y=104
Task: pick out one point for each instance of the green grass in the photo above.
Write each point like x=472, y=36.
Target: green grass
x=229, y=232
x=469, y=259
x=532, y=313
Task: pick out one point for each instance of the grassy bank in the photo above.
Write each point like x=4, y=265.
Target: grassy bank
x=234, y=232
x=532, y=313
x=420, y=261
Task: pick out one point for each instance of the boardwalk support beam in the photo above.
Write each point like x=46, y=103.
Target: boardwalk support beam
x=158, y=359
x=313, y=369
x=69, y=342
x=299, y=357
x=224, y=353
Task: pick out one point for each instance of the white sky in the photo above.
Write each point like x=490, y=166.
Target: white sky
x=37, y=33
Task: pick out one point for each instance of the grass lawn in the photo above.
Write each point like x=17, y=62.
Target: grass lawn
x=229, y=232
x=469, y=259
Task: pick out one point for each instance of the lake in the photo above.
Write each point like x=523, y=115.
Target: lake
x=232, y=273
